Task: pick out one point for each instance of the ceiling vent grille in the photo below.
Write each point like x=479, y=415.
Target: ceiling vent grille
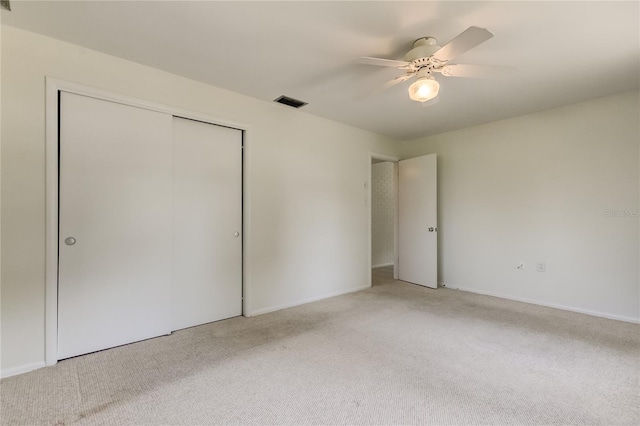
x=285, y=100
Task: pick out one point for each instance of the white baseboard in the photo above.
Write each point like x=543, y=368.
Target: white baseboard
x=382, y=265
x=549, y=305
x=14, y=371
x=305, y=301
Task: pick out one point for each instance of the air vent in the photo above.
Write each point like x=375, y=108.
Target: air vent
x=285, y=100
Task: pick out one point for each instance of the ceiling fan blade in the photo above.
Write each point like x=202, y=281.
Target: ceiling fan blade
x=468, y=39
x=395, y=81
x=383, y=62
x=478, y=71
x=388, y=84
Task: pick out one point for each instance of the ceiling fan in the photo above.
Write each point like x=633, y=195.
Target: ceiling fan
x=427, y=58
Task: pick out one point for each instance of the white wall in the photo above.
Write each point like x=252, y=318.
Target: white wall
x=382, y=214
x=542, y=188
x=306, y=232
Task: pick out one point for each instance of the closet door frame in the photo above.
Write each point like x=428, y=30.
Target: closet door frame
x=52, y=143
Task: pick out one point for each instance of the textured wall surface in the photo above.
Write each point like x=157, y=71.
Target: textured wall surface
x=382, y=209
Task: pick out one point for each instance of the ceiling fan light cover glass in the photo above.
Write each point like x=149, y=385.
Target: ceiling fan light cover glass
x=424, y=89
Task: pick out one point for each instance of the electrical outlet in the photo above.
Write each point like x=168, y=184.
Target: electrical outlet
x=541, y=267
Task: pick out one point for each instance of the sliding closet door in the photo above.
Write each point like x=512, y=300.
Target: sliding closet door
x=115, y=224
x=207, y=225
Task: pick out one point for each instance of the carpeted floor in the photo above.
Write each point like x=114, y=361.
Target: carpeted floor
x=393, y=354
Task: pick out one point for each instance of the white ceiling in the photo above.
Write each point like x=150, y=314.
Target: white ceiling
x=566, y=52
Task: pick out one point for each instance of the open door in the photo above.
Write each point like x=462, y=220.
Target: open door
x=418, y=221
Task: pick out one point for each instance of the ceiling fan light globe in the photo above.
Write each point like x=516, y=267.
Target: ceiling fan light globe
x=424, y=89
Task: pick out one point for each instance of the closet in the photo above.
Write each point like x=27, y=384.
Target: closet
x=150, y=223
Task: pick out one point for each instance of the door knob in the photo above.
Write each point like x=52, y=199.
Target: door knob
x=69, y=241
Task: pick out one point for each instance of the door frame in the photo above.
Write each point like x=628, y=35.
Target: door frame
x=394, y=160
x=53, y=87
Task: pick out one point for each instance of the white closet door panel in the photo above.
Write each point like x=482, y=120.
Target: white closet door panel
x=115, y=200
x=207, y=240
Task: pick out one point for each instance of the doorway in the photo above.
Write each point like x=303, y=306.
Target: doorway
x=383, y=218
x=403, y=193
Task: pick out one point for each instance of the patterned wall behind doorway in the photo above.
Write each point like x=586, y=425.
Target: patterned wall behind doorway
x=382, y=209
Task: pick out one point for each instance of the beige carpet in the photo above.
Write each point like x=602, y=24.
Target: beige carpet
x=393, y=354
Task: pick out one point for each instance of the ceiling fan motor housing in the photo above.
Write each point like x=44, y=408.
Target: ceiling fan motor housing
x=423, y=48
